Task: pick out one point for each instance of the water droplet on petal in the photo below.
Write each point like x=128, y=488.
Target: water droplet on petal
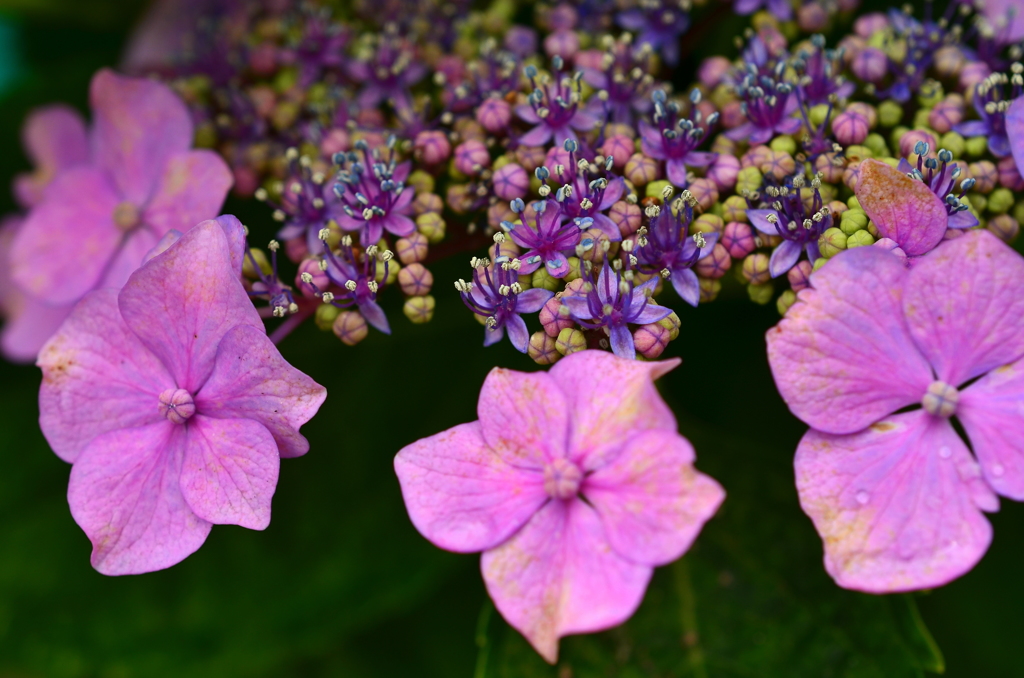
x=945, y=452
x=863, y=497
x=997, y=470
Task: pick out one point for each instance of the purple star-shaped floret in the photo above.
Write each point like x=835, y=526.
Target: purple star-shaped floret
x=675, y=139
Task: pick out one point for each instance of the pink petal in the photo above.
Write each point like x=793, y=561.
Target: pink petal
x=128, y=257
x=229, y=472
x=138, y=124
x=558, y=576
x=124, y=494
x=55, y=139
x=843, y=357
x=26, y=330
x=1015, y=131
x=250, y=380
x=192, y=188
x=902, y=208
x=651, y=500
x=523, y=417
x=183, y=302
x=898, y=504
x=97, y=377
x=66, y=242
x=461, y=495
x=964, y=306
x=611, y=399
x=992, y=412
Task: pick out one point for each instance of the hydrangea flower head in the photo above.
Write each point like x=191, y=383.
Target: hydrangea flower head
x=172, y=405
x=97, y=221
x=575, y=485
x=897, y=496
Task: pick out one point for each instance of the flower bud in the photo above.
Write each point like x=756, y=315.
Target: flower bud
x=641, y=170
x=325, y=315
x=738, y=239
x=671, y=323
x=709, y=289
x=553, y=319
x=850, y=128
x=1000, y=201
x=734, y=208
x=832, y=242
x=471, y=157
x=760, y=293
x=890, y=113
x=749, y=179
x=947, y=114
x=541, y=278
x=570, y=341
x=1005, y=227
x=258, y=256
x=1009, y=175
x=432, y=148
x=319, y=278
x=494, y=115
x=542, y=350
x=715, y=264
x=350, y=327
x=785, y=300
x=431, y=226
x=412, y=248
x=755, y=268
x=705, y=191
x=800, y=275
x=650, y=340
x=852, y=221
x=511, y=182
x=415, y=280
x=724, y=172
x=707, y=223
x=619, y=148
x=419, y=309
x=859, y=239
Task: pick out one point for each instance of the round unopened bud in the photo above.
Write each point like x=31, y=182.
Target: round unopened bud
x=1000, y=201
x=738, y=239
x=412, y=248
x=705, y=191
x=626, y=216
x=709, y=289
x=419, y=309
x=724, y=172
x=554, y=317
x=494, y=115
x=471, y=157
x=432, y=147
x=947, y=114
x=852, y=221
x=176, y=405
x=760, y=293
x=432, y=226
x=832, y=242
x=511, y=181
x=734, y=208
x=651, y=340
x=910, y=139
x=1005, y=227
x=755, y=269
x=350, y=327
x=427, y=202
x=1009, y=175
x=415, y=280
x=749, y=179
x=859, y=239
x=890, y=113
x=541, y=349
x=641, y=170
x=570, y=341
x=619, y=148
x=325, y=315
x=940, y=400
x=544, y=280
x=850, y=128
x=785, y=301
x=671, y=323
x=715, y=264
x=800, y=275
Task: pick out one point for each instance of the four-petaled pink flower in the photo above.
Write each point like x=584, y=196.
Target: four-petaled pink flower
x=96, y=221
x=574, y=483
x=897, y=496
x=172, y=405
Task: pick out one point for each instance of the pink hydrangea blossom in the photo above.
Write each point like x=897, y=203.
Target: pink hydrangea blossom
x=574, y=483
x=172, y=405
x=896, y=494
x=95, y=221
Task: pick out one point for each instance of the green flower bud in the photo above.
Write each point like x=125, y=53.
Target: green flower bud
x=785, y=300
x=542, y=349
x=819, y=113
x=855, y=153
x=1000, y=201
x=784, y=144
x=709, y=289
x=707, y=223
x=419, y=309
x=832, y=242
x=876, y=142
x=569, y=341
x=852, y=221
x=573, y=274
x=818, y=263
x=432, y=226
x=977, y=147
x=872, y=229
x=541, y=278
x=897, y=134
x=1018, y=211
x=921, y=118
x=656, y=189
x=748, y=179
x=761, y=294
x=978, y=201
x=930, y=93
x=954, y=143
x=421, y=181
x=735, y=209
x=261, y=261
x=325, y=315
x=890, y=113
x=853, y=203
x=1005, y=227
x=671, y=323
x=859, y=239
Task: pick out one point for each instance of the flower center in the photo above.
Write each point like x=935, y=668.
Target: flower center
x=562, y=479
x=940, y=400
x=177, y=405
x=126, y=216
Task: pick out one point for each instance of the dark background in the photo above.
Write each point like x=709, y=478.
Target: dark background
x=342, y=585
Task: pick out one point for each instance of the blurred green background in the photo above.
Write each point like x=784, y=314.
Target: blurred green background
x=342, y=585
